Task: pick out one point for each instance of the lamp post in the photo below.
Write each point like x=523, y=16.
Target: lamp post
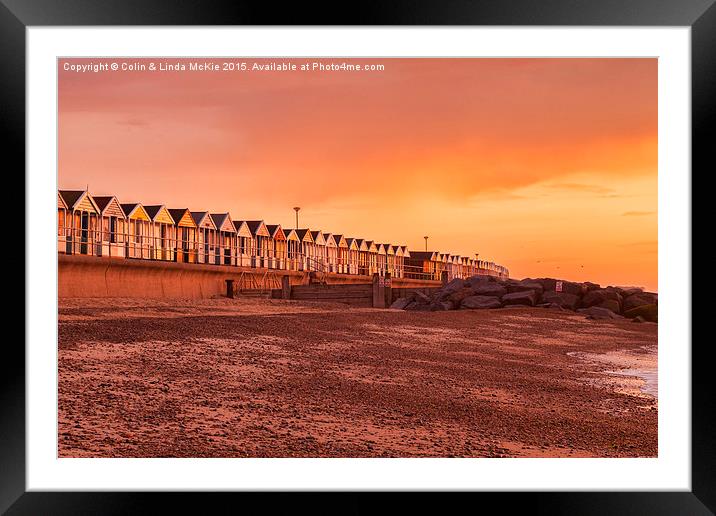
x=426, y=243
x=297, y=209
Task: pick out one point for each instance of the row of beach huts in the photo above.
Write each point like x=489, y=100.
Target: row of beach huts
x=102, y=226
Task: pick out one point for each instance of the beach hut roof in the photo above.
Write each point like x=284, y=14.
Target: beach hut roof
x=318, y=238
x=102, y=201
x=406, y=253
x=304, y=235
x=340, y=241
x=134, y=210
x=423, y=255
x=397, y=250
x=352, y=243
x=276, y=231
x=61, y=202
x=389, y=249
x=109, y=205
x=79, y=199
x=362, y=246
x=291, y=235
x=257, y=228
x=242, y=228
x=223, y=222
x=182, y=217
x=203, y=220
x=158, y=213
x=330, y=241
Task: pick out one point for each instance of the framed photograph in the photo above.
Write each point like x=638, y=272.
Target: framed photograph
x=432, y=250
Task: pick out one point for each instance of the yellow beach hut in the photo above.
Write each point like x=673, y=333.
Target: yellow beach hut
x=139, y=234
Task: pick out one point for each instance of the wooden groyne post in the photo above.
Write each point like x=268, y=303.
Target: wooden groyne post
x=382, y=293
x=285, y=287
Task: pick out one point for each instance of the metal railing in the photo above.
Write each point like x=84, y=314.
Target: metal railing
x=118, y=244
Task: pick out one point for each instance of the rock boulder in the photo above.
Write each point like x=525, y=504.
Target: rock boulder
x=597, y=297
x=563, y=299
x=486, y=288
x=639, y=299
x=648, y=312
x=610, y=304
x=526, y=297
x=401, y=303
x=457, y=297
x=477, y=302
x=524, y=286
x=596, y=312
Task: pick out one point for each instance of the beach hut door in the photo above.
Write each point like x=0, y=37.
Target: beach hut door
x=85, y=229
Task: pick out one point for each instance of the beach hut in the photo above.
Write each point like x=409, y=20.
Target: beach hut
x=244, y=242
x=163, y=232
x=424, y=265
x=206, y=237
x=278, y=250
x=464, y=267
x=185, y=230
x=352, y=255
x=342, y=261
x=362, y=257
x=62, y=223
x=456, y=265
x=293, y=250
x=444, y=259
x=467, y=266
x=372, y=254
x=321, y=251
x=81, y=222
x=331, y=252
x=399, y=262
x=389, y=259
x=455, y=261
x=260, y=238
x=406, y=257
x=112, y=227
x=381, y=259
x=226, y=242
x=138, y=231
x=308, y=249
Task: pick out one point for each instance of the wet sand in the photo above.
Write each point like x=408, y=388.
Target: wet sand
x=272, y=378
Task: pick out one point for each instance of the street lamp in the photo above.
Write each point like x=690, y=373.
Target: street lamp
x=426, y=243
x=296, y=209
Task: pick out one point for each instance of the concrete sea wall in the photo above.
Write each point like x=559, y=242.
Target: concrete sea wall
x=91, y=276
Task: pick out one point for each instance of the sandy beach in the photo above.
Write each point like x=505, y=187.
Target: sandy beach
x=273, y=378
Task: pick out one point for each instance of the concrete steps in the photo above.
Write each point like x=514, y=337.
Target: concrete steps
x=255, y=293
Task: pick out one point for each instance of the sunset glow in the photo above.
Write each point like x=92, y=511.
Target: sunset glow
x=546, y=166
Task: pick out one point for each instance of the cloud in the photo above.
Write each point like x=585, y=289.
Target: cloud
x=637, y=213
x=648, y=247
x=578, y=187
x=133, y=122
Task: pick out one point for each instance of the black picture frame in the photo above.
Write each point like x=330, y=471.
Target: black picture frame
x=17, y=15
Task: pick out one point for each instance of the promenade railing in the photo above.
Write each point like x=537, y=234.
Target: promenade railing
x=118, y=244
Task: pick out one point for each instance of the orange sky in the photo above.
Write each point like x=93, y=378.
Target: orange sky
x=547, y=166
